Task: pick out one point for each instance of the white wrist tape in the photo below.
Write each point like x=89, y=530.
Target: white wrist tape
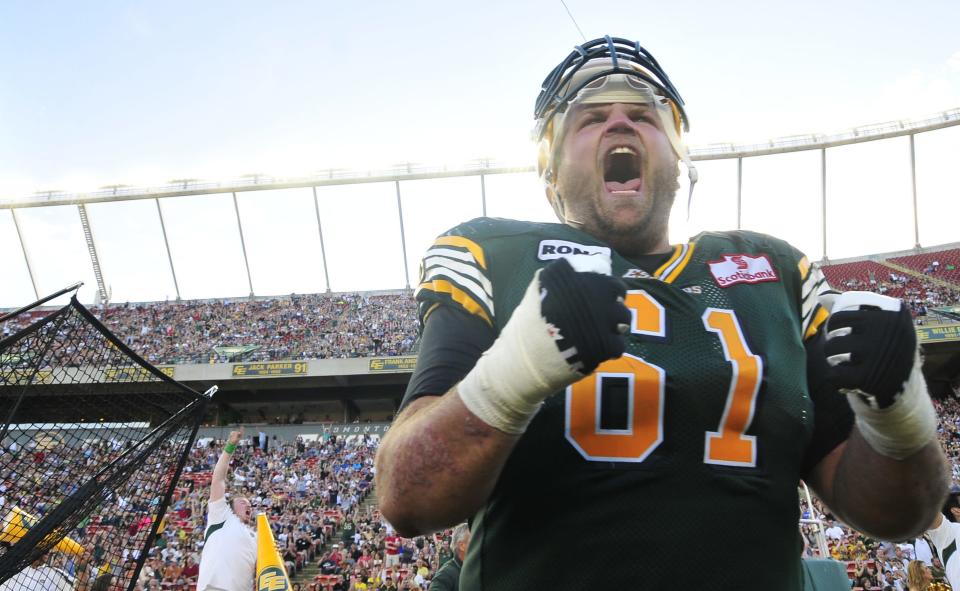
x=507, y=386
x=906, y=426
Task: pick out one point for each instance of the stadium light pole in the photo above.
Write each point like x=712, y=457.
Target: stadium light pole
x=323, y=249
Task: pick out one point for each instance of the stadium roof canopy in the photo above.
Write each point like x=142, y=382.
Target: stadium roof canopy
x=347, y=230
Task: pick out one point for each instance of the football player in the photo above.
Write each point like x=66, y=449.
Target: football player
x=607, y=408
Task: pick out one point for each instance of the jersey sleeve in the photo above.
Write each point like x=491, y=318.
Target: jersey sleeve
x=217, y=511
x=454, y=272
x=833, y=418
x=452, y=342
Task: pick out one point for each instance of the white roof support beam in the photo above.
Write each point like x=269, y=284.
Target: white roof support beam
x=26, y=254
x=166, y=243
x=243, y=245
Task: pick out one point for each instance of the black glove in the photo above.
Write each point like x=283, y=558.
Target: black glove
x=870, y=346
x=588, y=312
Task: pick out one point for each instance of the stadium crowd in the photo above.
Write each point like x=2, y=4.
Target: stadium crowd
x=314, y=326
x=919, y=294
x=313, y=493
x=876, y=565
x=324, y=326
x=317, y=493
x=325, y=522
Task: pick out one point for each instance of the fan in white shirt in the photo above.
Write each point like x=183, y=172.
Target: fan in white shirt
x=229, y=553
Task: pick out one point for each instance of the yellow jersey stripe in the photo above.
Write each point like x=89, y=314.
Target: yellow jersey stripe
x=677, y=250
x=819, y=317
x=462, y=242
x=458, y=295
x=681, y=265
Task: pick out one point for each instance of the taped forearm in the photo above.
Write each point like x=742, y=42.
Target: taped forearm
x=507, y=386
x=904, y=428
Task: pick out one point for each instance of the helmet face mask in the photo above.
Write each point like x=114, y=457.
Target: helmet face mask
x=605, y=71
x=595, y=61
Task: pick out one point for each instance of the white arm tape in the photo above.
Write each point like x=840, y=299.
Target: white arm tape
x=507, y=386
x=906, y=426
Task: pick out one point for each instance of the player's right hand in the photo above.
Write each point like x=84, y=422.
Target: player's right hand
x=586, y=311
x=566, y=324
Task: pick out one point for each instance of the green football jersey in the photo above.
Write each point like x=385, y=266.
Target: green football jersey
x=674, y=466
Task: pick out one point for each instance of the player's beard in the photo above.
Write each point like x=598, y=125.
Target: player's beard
x=644, y=237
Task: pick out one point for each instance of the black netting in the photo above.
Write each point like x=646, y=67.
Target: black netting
x=93, y=440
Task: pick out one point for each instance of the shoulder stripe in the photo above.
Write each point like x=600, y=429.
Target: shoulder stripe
x=811, y=296
x=468, y=272
x=456, y=294
x=804, y=266
x=819, y=317
x=462, y=242
x=812, y=313
x=452, y=253
x=466, y=283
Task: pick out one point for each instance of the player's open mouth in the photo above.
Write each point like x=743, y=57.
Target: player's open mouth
x=622, y=171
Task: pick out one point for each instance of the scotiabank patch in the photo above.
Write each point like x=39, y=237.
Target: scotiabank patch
x=742, y=268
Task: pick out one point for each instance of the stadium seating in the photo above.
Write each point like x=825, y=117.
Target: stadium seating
x=843, y=275
x=947, y=265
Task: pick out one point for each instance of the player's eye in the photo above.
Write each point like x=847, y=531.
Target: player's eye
x=591, y=118
x=644, y=116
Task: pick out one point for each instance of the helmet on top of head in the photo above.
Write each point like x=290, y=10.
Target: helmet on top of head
x=605, y=70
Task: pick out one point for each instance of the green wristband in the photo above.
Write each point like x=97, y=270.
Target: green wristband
x=230, y=448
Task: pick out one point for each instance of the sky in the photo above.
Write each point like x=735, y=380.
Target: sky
x=141, y=93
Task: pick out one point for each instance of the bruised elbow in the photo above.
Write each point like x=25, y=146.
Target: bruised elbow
x=399, y=516
x=396, y=508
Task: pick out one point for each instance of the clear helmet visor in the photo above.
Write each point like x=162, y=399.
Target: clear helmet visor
x=616, y=88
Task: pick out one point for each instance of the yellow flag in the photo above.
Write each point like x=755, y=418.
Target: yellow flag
x=17, y=522
x=271, y=574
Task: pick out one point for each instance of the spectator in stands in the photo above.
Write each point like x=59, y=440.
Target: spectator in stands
x=945, y=532
x=230, y=549
x=102, y=583
x=835, y=532
x=919, y=578
x=389, y=584
x=190, y=570
x=392, y=544
x=448, y=577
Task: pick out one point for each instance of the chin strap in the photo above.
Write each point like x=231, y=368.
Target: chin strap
x=693, y=175
x=679, y=149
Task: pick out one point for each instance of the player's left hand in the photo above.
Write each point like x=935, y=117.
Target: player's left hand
x=871, y=346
